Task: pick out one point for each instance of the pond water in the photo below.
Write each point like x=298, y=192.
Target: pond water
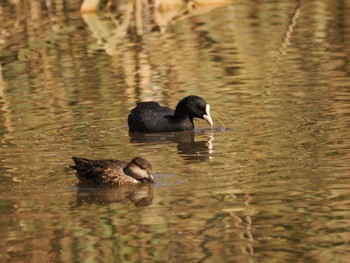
x=272, y=186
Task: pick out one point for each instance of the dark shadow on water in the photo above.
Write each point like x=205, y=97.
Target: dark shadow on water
x=194, y=145
x=139, y=195
x=164, y=137
x=196, y=150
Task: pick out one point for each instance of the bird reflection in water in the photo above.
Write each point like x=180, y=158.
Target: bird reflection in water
x=140, y=195
x=189, y=147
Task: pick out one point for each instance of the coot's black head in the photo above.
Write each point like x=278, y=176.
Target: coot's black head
x=194, y=107
x=140, y=169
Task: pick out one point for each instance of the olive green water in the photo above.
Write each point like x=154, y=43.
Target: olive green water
x=271, y=187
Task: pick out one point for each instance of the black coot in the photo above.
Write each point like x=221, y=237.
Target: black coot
x=151, y=117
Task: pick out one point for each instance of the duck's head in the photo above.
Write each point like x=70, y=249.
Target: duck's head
x=195, y=107
x=140, y=169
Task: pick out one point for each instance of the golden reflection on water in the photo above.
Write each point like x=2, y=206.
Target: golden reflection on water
x=273, y=185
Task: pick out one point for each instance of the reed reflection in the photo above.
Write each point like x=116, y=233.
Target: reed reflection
x=149, y=15
x=139, y=195
x=140, y=17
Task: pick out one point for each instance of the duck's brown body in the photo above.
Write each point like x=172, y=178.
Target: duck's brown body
x=112, y=172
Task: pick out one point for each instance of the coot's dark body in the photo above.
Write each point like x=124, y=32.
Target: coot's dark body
x=112, y=172
x=152, y=117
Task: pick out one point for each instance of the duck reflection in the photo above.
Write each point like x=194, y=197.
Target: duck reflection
x=189, y=147
x=139, y=195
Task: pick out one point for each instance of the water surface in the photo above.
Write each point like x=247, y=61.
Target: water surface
x=271, y=187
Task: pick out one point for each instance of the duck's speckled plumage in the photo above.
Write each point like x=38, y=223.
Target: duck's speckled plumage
x=112, y=172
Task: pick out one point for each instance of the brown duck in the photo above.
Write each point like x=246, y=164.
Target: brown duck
x=112, y=172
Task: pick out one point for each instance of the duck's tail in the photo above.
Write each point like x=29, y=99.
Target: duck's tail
x=80, y=163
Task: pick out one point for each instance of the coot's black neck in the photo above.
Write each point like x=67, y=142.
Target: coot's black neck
x=181, y=112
